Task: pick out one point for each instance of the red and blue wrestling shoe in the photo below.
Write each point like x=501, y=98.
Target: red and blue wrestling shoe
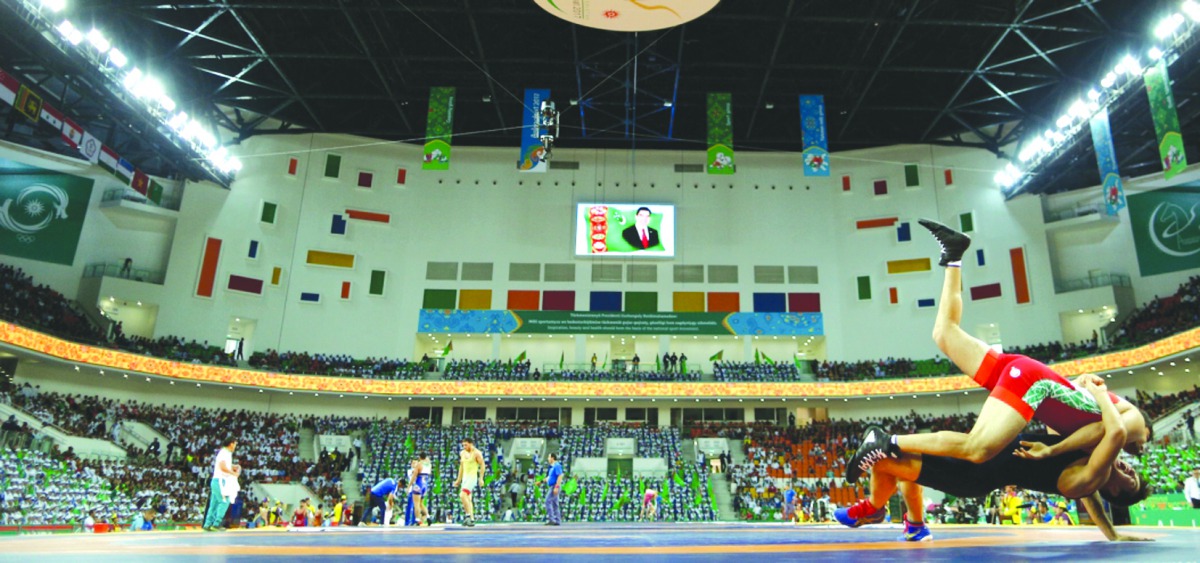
x=859, y=513
x=916, y=532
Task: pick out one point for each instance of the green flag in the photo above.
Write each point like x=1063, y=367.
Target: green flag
x=682, y=366
x=605, y=364
x=757, y=357
x=657, y=363
x=678, y=479
x=604, y=493
x=449, y=348
x=767, y=360
x=562, y=358
x=409, y=446
x=42, y=214
x=717, y=357
x=570, y=486
x=583, y=496
x=799, y=362
x=522, y=357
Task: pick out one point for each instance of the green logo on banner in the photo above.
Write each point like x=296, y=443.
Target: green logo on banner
x=41, y=215
x=720, y=134
x=1166, y=120
x=1166, y=229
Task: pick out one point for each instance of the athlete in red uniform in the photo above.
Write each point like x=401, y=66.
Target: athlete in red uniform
x=1021, y=389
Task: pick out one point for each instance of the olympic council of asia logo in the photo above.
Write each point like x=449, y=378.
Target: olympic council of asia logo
x=36, y=206
x=1175, y=230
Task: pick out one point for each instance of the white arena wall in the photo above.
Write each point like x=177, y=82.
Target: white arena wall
x=483, y=210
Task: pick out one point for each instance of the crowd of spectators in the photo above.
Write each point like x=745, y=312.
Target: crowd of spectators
x=889, y=368
x=650, y=441
x=39, y=307
x=1165, y=466
x=171, y=348
x=337, y=365
x=1051, y=352
x=753, y=372
x=1156, y=405
x=491, y=370
x=1162, y=316
x=39, y=489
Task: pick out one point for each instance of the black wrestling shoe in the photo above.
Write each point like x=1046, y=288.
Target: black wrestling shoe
x=873, y=448
x=954, y=244
x=470, y=522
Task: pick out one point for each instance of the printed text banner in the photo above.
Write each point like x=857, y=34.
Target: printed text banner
x=597, y=322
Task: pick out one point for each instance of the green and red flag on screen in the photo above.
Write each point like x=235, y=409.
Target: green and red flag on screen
x=720, y=134
x=42, y=214
x=439, y=128
x=1166, y=120
x=717, y=357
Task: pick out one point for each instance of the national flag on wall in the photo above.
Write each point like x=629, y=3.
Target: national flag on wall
x=90, y=147
x=155, y=192
x=125, y=170
x=141, y=182
x=108, y=159
x=72, y=133
x=28, y=104
x=52, y=117
x=8, y=88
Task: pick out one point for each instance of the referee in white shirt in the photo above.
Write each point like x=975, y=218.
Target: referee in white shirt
x=223, y=468
x=1191, y=487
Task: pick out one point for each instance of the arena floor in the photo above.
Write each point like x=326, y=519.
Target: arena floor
x=520, y=542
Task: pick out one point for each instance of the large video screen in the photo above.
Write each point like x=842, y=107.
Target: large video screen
x=625, y=229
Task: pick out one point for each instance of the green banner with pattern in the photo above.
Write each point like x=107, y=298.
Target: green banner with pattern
x=1166, y=120
x=42, y=213
x=439, y=128
x=720, y=133
x=1166, y=229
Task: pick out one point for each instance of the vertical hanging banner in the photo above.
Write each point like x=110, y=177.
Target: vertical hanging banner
x=816, y=138
x=1106, y=160
x=439, y=128
x=1166, y=120
x=533, y=154
x=720, y=133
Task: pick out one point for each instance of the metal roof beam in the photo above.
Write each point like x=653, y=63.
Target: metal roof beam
x=258, y=45
x=387, y=88
x=887, y=53
x=196, y=32
x=491, y=82
x=762, y=89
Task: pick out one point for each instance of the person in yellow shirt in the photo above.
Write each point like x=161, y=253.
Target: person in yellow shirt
x=1061, y=516
x=1010, y=506
x=337, y=512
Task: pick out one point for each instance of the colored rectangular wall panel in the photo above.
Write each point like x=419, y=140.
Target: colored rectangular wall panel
x=339, y=225
x=641, y=301
x=475, y=299
x=378, y=280
x=268, y=212
x=979, y=259
x=880, y=187
x=876, y=223
x=925, y=303
x=687, y=302
x=310, y=297
x=253, y=249
x=524, y=300
x=966, y=222
x=365, y=179
x=845, y=183
x=804, y=302
x=989, y=291
x=864, y=288
x=558, y=300
x=334, y=259
x=912, y=175
x=369, y=216
x=948, y=175
x=439, y=299
x=208, y=267
x=893, y=295
x=401, y=176
x=243, y=283
x=904, y=232
x=605, y=301
x=770, y=303
x=909, y=266
x=293, y=166
x=333, y=166
x=1020, y=275
x=724, y=302
x=276, y=274
x=345, y=290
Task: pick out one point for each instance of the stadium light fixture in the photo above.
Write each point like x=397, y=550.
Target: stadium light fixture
x=54, y=5
x=97, y=40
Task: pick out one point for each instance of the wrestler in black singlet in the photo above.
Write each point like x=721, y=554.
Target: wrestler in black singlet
x=965, y=479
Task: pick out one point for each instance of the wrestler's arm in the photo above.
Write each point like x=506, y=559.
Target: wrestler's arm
x=1081, y=480
x=1087, y=437
x=1100, y=518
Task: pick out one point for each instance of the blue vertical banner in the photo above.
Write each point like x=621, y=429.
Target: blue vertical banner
x=533, y=154
x=1106, y=160
x=816, y=138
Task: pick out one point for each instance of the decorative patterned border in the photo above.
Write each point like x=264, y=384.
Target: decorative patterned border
x=27, y=339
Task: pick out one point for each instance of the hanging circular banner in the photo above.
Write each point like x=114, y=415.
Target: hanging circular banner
x=628, y=15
